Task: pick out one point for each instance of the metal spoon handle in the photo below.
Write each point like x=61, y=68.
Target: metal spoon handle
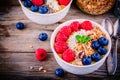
x=115, y=57
x=110, y=64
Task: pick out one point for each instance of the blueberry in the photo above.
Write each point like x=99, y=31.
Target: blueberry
x=103, y=41
x=95, y=45
x=102, y=50
x=95, y=56
x=43, y=36
x=86, y=60
x=59, y=72
x=43, y=9
x=19, y=25
x=27, y=3
x=34, y=8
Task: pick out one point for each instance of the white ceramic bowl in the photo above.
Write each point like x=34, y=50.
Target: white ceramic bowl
x=45, y=18
x=79, y=70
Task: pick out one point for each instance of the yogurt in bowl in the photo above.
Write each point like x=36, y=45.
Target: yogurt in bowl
x=80, y=46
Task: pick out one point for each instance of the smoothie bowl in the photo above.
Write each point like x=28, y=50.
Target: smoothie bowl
x=80, y=46
x=45, y=11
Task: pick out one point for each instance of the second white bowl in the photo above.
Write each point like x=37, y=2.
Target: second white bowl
x=45, y=18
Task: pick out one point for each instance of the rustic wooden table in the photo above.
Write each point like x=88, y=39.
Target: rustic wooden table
x=17, y=47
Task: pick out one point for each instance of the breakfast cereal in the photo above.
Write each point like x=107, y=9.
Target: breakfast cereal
x=84, y=46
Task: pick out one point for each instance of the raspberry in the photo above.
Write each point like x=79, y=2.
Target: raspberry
x=68, y=55
x=60, y=46
x=37, y=2
x=61, y=37
x=75, y=26
x=66, y=30
x=63, y=2
x=40, y=54
x=87, y=25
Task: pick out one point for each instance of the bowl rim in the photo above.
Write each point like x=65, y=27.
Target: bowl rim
x=46, y=14
x=68, y=22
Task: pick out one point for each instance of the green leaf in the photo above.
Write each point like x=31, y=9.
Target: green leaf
x=87, y=38
x=78, y=37
x=82, y=39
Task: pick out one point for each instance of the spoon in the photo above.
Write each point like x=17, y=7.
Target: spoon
x=108, y=25
x=116, y=36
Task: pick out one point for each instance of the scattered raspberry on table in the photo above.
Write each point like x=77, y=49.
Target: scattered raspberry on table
x=40, y=54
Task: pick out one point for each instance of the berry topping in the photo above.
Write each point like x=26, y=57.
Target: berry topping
x=27, y=3
x=19, y=25
x=103, y=41
x=75, y=26
x=60, y=46
x=43, y=9
x=102, y=50
x=95, y=45
x=43, y=36
x=95, y=57
x=86, y=60
x=87, y=25
x=34, y=8
x=40, y=54
x=66, y=30
x=63, y=2
x=37, y=2
x=61, y=37
x=68, y=55
x=59, y=72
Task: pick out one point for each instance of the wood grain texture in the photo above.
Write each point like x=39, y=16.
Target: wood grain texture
x=16, y=54
x=30, y=34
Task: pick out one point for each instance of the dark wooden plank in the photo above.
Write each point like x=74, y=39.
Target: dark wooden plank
x=21, y=41
x=9, y=2
x=21, y=62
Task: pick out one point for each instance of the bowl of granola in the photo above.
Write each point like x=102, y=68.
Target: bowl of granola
x=95, y=7
x=80, y=46
x=45, y=11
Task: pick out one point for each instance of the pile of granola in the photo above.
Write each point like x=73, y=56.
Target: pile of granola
x=95, y=7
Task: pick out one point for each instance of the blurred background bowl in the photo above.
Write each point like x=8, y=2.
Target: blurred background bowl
x=45, y=18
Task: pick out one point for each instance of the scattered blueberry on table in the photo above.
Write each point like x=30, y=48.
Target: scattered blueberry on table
x=20, y=25
x=59, y=72
x=43, y=36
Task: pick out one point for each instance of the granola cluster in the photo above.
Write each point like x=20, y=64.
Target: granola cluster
x=95, y=7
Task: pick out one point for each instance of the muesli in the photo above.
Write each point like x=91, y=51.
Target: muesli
x=81, y=43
